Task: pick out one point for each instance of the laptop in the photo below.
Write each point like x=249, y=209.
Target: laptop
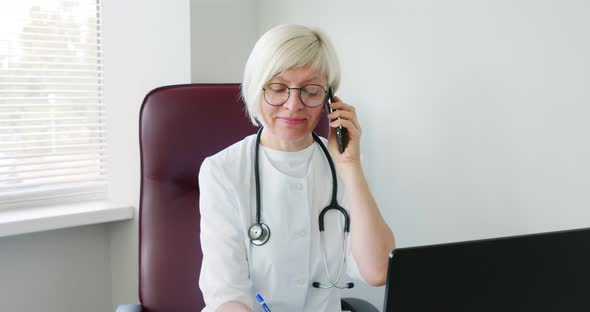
x=535, y=272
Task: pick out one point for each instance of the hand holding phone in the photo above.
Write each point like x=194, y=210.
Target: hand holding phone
x=341, y=133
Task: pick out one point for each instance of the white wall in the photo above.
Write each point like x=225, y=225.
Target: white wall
x=57, y=271
x=147, y=45
x=222, y=34
x=474, y=113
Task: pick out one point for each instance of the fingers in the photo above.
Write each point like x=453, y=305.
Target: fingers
x=345, y=124
x=343, y=111
x=342, y=114
x=338, y=104
x=341, y=106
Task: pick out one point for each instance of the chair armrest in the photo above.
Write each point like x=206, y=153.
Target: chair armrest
x=357, y=305
x=129, y=308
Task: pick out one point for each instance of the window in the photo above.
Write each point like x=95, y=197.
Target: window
x=52, y=118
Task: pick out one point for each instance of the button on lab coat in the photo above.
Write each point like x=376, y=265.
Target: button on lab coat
x=283, y=269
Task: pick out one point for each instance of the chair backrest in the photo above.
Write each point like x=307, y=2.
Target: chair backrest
x=179, y=127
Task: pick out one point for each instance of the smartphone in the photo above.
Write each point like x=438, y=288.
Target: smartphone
x=341, y=133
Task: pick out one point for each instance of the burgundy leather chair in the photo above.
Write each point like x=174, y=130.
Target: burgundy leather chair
x=180, y=125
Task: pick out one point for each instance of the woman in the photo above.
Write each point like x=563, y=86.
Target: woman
x=277, y=249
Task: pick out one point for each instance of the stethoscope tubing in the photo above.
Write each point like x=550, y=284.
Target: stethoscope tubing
x=259, y=233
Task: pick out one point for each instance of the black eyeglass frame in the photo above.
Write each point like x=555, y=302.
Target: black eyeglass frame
x=289, y=93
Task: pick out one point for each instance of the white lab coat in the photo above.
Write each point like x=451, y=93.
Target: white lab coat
x=283, y=269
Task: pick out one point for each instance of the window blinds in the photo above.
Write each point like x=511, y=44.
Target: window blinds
x=52, y=118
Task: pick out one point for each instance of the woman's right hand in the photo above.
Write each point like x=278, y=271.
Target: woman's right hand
x=233, y=306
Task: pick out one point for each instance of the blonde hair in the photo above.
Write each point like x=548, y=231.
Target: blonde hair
x=279, y=49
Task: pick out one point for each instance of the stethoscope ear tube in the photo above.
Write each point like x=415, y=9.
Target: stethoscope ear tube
x=333, y=201
x=256, y=175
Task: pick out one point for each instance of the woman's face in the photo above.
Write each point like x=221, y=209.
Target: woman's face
x=289, y=126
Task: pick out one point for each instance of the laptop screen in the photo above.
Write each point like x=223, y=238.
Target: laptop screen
x=537, y=272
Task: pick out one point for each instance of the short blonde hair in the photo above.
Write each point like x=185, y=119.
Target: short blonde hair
x=281, y=48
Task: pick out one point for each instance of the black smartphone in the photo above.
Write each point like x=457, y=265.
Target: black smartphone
x=341, y=133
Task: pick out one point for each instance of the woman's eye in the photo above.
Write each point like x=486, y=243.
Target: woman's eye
x=311, y=91
x=278, y=89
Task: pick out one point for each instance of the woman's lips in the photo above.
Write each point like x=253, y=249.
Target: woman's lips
x=291, y=121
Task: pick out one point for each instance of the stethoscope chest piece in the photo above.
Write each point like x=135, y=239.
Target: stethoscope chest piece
x=259, y=234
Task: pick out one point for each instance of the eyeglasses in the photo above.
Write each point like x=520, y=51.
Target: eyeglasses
x=277, y=94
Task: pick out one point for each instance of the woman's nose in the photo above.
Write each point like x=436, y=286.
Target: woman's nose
x=294, y=102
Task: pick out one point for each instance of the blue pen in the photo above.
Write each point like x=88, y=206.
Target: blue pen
x=262, y=303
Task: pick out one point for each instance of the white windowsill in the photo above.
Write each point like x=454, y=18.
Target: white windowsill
x=29, y=220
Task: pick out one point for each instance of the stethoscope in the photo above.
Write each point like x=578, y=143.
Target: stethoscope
x=259, y=232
